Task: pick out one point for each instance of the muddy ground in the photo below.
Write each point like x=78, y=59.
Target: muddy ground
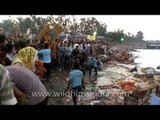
x=57, y=84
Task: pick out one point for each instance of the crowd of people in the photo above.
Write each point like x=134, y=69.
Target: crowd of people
x=24, y=65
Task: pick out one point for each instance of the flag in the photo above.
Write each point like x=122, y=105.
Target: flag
x=91, y=37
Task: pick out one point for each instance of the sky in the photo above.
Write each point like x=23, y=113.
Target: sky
x=148, y=24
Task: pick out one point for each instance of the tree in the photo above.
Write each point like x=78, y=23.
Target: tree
x=7, y=25
x=117, y=36
x=90, y=25
x=33, y=23
x=86, y=26
x=139, y=36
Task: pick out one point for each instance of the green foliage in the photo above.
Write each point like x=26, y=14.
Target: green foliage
x=117, y=36
x=86, y=26
x=7, y=25
x=137, y=38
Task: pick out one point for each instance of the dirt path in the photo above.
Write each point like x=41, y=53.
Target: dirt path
x=57, y=85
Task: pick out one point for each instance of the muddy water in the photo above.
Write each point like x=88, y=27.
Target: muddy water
x=148, y=57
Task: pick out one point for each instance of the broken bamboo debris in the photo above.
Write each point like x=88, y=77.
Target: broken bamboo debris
x=150, y=75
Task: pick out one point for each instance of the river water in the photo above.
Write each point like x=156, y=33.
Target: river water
x=148, y=57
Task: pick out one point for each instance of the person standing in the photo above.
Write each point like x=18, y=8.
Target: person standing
x=46, y=58
x=69, y=50
x=76, y=82
x=92, y=63
x=61, y=55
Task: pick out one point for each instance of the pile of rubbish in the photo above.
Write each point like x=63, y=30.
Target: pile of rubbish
x=116, y=85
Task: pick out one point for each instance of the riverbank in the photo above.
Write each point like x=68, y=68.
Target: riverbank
x=110, y=87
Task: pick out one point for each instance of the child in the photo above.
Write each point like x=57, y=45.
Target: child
x=40, y=70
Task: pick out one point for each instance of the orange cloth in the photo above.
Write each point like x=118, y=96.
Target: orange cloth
x=55, y=47
x=47, y=40
x=40, y=70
